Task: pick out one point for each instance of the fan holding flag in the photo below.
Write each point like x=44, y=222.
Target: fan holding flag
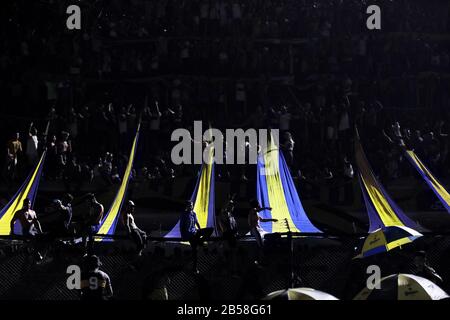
x=253, y=221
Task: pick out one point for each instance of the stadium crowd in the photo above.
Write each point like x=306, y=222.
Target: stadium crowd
x=308, y=68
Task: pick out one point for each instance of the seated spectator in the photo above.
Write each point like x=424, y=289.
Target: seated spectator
x=137, y=235
x=191, y=231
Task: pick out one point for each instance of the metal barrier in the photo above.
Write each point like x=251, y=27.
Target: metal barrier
x=323, y=263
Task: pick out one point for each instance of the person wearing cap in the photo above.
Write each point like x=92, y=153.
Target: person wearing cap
x=191, y=231
x=95, y=284
x=138, y=236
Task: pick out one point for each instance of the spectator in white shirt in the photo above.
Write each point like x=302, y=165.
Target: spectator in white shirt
x=32, y=146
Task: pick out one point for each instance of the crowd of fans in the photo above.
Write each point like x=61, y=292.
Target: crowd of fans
x=217, y=61
x=93, y=146
x=180, y=37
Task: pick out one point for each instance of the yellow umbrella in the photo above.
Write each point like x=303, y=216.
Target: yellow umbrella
x=403, y=287
x=387, y=238
x=299, y=294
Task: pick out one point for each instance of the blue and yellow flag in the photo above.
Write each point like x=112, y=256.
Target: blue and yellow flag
x=381, y=209
x=27, y=190
x=203, y=198
x=276, y=189
x=432, y=182
x=109, y=222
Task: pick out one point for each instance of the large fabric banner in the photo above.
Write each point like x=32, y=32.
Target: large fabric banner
x=109, y=221
x=203, y=198
x=432, y=182
x=381, y=209
x=276, y=189
x=27, y=190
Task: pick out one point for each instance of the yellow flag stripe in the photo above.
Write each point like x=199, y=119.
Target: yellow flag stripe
x=275, y=191
x=437, y=186
x=385, y=211
x=201, y=203
x=115, y=207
